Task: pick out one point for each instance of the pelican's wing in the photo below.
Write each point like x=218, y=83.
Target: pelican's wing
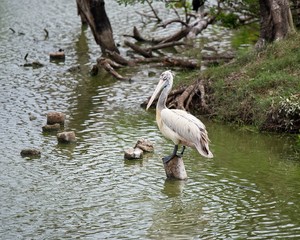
x=190, y=118
x=189, y=129
x=184, y=124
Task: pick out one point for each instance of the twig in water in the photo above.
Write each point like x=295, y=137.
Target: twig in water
x=25, y=58
x=12, y=30
x=47, y=33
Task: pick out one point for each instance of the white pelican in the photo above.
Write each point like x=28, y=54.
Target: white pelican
x=178, y=125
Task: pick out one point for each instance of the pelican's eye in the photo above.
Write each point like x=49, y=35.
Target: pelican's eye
x=165, y=76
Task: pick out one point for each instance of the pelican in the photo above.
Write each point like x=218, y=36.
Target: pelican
x=178, y=125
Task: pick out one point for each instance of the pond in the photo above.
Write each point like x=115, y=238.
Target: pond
x=250, y=190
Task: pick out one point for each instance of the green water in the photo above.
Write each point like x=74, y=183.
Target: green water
x=250, y=190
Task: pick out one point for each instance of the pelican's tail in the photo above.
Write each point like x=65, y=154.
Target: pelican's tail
x=202, y=146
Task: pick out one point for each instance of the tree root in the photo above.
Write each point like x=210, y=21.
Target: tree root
x=184, y=96
x=109, y=65
x=187, y=97
x=193, y=96
x=201, y=89
x=116, y=57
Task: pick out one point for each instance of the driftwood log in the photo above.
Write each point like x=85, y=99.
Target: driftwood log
x=145, y=53
x=118, y=58
x=137, y=36
x=165, y=45
x=171, y=62
x=216, y=59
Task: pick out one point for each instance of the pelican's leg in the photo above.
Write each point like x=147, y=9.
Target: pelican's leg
x=174, y=154
x=182, y=151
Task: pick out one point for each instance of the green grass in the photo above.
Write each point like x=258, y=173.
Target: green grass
x=252, y=88
x=245, y=36
x=185, y=77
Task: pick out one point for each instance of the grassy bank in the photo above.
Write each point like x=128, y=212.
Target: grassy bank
x=259, y=88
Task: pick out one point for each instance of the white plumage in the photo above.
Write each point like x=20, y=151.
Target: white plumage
x=177, y=125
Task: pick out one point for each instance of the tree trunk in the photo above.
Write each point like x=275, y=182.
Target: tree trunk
x=296, y=12
x=93, y=12
x=274, y=20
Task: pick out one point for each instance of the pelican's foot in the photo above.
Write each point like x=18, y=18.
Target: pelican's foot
x=169, y=158
x=174, y=154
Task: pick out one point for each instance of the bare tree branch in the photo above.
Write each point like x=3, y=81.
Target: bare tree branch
x=176, y=20
x=144, y=52
x=106, y=64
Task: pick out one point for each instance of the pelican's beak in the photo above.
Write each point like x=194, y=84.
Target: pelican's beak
x=157, y=90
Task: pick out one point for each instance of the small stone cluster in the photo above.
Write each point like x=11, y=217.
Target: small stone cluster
x=138, y=150
x=55, y=121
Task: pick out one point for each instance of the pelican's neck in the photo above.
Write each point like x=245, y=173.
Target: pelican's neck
x=161, y=103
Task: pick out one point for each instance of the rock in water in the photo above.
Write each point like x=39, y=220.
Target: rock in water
x=145, y=145
x=133, y=153
x=66, y=137
x=51, y=128
x=30, y=152
x=55, y=117
x=60, y=55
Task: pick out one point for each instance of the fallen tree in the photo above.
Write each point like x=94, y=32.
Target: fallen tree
x=93, y=13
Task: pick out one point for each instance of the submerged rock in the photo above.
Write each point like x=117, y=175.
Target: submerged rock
x=51, y=127
x=30, y=152
x=66, y=137
x=32, y=117
x=34, y=64
x=74, y=69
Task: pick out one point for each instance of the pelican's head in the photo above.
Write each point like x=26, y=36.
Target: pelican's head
x=165, y=80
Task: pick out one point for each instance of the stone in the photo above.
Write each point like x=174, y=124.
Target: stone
x=30, y=152
x=133, y=153
x=55, y=117
x=60, y=55
x=145, y=145
x=51, y=127
x=66, y=137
